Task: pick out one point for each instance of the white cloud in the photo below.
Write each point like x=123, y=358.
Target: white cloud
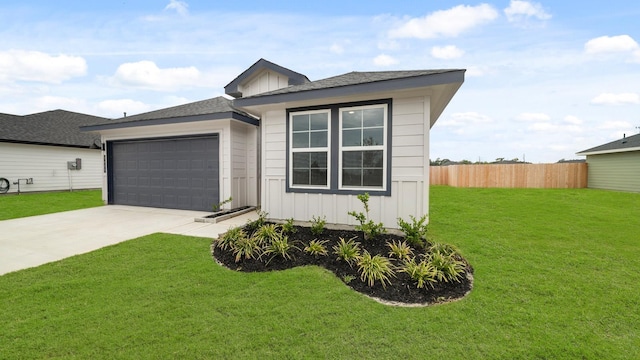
x=573, y=120
x=465, y=119
x=384, y=60
x=543, y=126
x=180, y=7
x=25, y=65
x=336, y=49
x=616, y=125
x=521, y=10
x=446, y=52
x=539, y=117
x=616, y=99
x=58, y=102
x=146, y=74
x=476, y=71
x=117, y=107
x=449, y=23
x=609, y=44
x=554, y=128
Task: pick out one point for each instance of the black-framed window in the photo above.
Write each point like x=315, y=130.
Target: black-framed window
x=362, y=150
x=309, y=149
x=340, y=148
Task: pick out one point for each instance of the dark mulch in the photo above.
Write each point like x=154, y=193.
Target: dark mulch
x=402, y=288
x=226, y=212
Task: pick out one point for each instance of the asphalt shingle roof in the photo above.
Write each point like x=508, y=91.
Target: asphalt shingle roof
x=56, y=127
x=210, y=106
x=628, y=142
x=353, y=78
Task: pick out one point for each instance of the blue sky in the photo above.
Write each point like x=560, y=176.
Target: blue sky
x=544, y=79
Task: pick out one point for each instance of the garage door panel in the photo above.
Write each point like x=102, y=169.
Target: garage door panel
x=177, y=173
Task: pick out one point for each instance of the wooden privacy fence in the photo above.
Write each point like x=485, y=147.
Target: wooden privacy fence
x=562, y=175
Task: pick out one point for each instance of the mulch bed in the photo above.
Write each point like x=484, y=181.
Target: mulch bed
x=401, y=291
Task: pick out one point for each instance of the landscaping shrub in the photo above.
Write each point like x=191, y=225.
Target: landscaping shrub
x=400, y=250
x=348, y=251
x=228, y=239
x=246, y=247
x=375, y=268
x=367, y=226
x=447, y=268
x=422, y=272
x=416, y=231
x=281, y=247
x=317, y=225
x=316, y=247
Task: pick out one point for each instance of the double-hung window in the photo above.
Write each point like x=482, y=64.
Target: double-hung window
x=362, y=147
x=340, y=148
x=309, y=151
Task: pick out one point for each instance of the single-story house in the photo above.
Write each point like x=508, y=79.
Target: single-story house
x=48, y=152
x=295, y=147
x=614, y=165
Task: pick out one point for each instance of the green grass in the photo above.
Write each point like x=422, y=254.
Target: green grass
x=30, y=204
x=556, y=276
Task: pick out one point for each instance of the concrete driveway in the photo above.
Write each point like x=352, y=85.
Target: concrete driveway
x=36, y=240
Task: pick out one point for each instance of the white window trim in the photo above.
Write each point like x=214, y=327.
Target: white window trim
x=383, y=147
x=326, y=149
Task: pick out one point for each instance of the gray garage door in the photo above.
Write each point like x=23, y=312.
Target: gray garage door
x=176, y=173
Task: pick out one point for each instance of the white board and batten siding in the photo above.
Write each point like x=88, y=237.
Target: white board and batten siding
x=409, y=173
x=614, y=171
x=47, y=166
x=244, y=165
x=238, y=147
x=263, y=82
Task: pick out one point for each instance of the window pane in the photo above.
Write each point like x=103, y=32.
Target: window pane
x=300, y=177
x=372, y=159
x=373, y=117
x=372, y=177
x=300, y=122
x=352, y=159
x=318, y=177
x=352, y=119
x=301, y=160
x=301, y=140
x=352, y=137
x=372, y=137
x=319, y=121
x=351, y=177
x=318, y=139
x=318, y=160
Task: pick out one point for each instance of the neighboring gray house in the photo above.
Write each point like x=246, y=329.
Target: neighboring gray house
x=297, y=148
x=615, y=165
x=36, y=150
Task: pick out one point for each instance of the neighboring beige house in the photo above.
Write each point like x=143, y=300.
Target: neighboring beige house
x=615, y=165
x=298, y=148
x=39, y=152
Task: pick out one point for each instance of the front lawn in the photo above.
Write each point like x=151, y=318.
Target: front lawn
x=556, y=276
x=14, y=206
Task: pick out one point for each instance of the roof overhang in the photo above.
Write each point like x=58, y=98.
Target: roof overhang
x=452, y=77
x=92, y=146
x=610, y=151
x=175, y=120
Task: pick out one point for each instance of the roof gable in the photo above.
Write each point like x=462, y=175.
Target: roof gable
x=56, y=127
x=627, y=143
x=234, y=87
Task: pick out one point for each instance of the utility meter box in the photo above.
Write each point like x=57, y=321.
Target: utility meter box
x=74, y=165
